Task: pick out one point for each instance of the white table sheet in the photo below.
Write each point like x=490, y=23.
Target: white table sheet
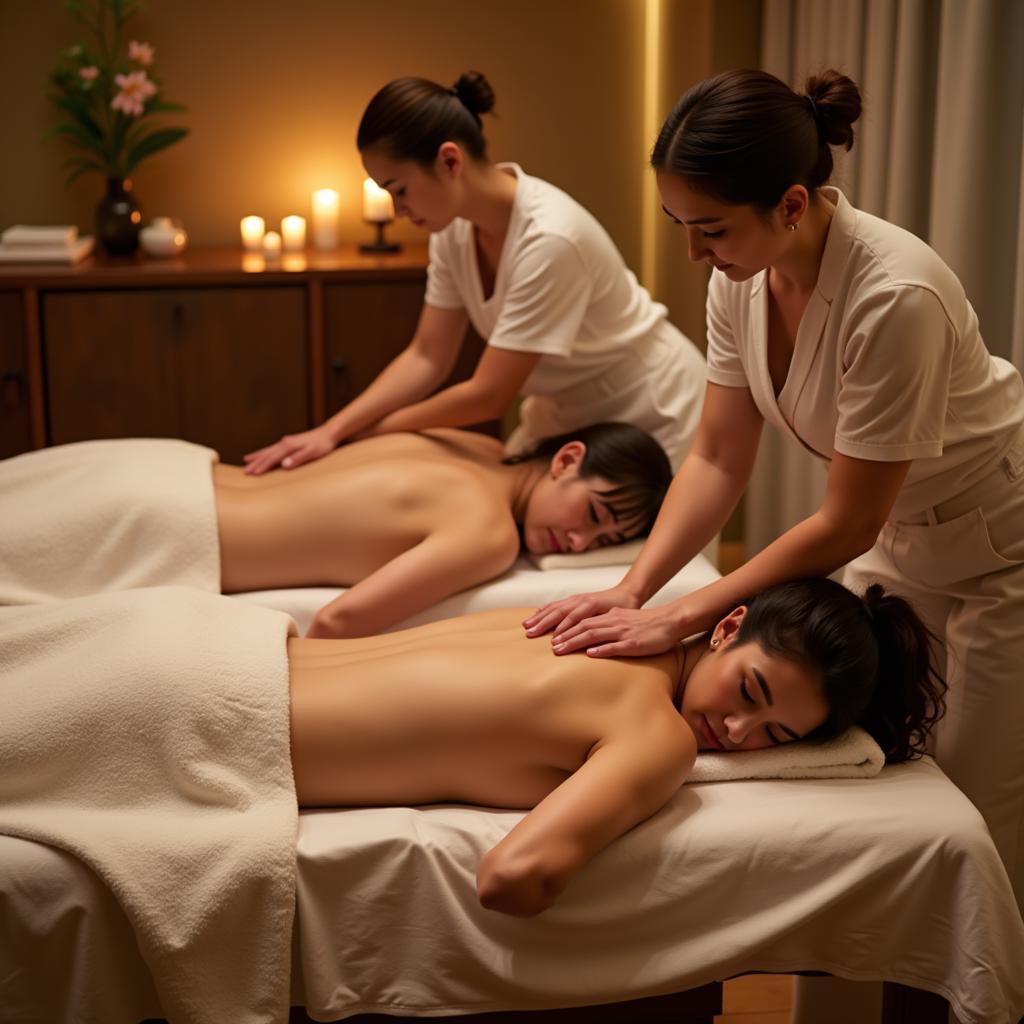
x=523, y=586
x=890, y=878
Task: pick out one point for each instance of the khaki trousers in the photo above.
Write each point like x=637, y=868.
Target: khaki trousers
x=961, y=564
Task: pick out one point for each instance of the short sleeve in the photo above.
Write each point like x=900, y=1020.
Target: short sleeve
x=724, y=364
x=546, y=299
x=894, y=390
x=442, y=290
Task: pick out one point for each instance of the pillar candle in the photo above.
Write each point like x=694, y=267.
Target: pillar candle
x=252, y=233
x=293, y=233
x=325, y=218
x=377, y=205
x=272, y=245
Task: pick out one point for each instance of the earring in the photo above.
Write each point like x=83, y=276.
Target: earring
x=791, y=227
x=715, y=641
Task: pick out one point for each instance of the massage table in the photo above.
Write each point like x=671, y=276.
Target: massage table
x=892, y=878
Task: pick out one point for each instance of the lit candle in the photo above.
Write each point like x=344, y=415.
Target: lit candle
x=272, y=245
x=293, y=233
x=377, y=205
x=252, y=233
x=325, y=218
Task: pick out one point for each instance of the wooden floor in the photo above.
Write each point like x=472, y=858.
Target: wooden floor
x=757, y=999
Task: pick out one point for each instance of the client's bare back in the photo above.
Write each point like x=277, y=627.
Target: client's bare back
x=338, y=519
x=465, y=709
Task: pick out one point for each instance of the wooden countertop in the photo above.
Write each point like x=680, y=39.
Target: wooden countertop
x=213, y=265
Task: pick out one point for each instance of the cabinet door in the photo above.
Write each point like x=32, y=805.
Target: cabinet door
x=226, y=367
x=367, y=325
x=245, y=381
x=15, y=426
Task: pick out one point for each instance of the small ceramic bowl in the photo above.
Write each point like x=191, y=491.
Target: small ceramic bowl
x=163, y=236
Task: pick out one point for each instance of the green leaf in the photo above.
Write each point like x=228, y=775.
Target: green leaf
x=163, y=107
x=151, y=144
x=76, y=134
x=83, y=166
x=77, y=109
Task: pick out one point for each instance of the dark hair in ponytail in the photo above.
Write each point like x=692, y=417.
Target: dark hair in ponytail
x=874, y=656
x=627, y=457
x=410, y=118
x=744, y=137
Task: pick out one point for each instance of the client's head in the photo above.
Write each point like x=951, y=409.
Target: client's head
x=598, y=485
x=809, y=658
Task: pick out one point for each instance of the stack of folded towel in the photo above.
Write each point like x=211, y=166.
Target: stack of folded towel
x=25, y=243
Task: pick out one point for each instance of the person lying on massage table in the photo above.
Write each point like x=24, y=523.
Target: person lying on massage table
x=470, y=710
x=402, y=520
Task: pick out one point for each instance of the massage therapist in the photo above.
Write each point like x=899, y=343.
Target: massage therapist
x=566, y=323
x=853, y=338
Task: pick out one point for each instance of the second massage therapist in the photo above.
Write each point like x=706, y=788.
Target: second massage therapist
x=566, y=323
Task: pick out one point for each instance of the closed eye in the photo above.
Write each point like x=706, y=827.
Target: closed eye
x=745, y=693
x=713, y=234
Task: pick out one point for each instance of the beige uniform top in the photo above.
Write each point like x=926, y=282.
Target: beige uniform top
x=562, y=290
x=888, y=362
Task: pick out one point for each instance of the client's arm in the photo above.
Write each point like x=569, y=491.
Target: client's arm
x=625, y=779
x=443, y=563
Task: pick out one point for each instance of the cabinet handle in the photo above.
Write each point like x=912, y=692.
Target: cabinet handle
x=339, y=365
x=177, y=316
x=12, y=388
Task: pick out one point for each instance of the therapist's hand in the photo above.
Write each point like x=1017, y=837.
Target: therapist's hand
x=291, y=451
x=622, y=633
x=558, y=616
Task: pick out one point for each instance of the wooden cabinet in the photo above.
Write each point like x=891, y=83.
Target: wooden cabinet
x=366, y=324
x=15, y=423
x=227, y=367
x=216, y=346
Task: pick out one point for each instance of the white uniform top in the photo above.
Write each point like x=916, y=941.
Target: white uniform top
x=563, y=290
x=888, y=362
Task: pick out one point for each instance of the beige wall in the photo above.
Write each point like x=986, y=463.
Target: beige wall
x=697, y=39
x=275, y=89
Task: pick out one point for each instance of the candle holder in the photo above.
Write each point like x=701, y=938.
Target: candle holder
x=380, y=244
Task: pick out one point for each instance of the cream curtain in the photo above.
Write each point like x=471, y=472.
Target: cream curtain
x=940, y=151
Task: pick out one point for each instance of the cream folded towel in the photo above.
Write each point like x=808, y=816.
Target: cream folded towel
x=95, y=516
x=851, y=755
x=147, y=734
x=31, y=234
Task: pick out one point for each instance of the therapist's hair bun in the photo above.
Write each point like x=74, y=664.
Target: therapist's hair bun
x=744, y=137
x=410, y=118
x=837, y=105
x=475, y=92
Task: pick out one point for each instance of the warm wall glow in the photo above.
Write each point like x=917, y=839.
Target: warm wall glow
x=651, y=122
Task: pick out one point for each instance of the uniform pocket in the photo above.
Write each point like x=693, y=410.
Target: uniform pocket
x=944, y=553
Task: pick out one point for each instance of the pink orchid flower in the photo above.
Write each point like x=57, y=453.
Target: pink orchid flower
x=135, y=88
x=141, y=53
x=89, y=74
